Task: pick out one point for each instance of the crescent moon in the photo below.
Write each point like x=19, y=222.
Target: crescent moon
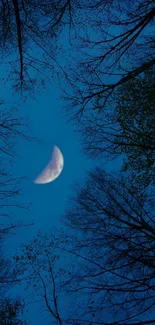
x=53, y=168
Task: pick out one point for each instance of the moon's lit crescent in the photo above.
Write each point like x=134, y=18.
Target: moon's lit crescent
x=53, y=168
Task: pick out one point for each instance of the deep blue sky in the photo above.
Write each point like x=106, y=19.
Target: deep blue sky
x=49, y=201
x=51, y=128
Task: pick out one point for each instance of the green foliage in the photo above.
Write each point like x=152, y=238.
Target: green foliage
x=136, y=117
x=11, y=311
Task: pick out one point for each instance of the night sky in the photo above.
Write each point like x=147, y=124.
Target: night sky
x=49, y=126
x=49, y=202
